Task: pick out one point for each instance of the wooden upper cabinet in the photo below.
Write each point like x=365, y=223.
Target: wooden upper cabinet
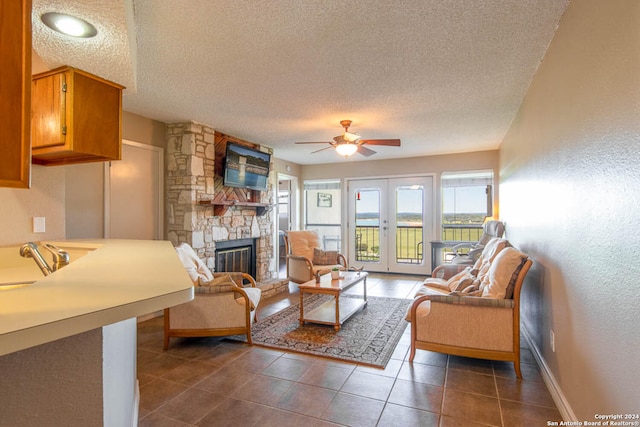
x=15, y=93
x=76, y=118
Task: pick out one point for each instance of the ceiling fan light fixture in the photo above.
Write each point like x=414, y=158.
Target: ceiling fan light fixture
x=346, y=149
x=351, y=137
x=69, y=25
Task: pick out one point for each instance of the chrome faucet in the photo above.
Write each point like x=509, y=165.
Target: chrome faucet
x=60, y=256
x=30, y=250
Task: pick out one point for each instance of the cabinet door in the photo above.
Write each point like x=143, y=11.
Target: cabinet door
x=48, y=117
x=15, y=93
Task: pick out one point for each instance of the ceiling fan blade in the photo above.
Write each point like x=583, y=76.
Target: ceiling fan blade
x=314, y=142
x=389, y=142
x=365, y=151
x=322, y=149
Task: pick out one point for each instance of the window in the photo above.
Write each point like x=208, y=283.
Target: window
x=323, y=211
x=467, y=199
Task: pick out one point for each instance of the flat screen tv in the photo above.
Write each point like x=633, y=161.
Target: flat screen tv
x=246, y=167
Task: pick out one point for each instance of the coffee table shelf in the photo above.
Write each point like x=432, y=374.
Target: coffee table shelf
x=326, y=313
x=337, y=310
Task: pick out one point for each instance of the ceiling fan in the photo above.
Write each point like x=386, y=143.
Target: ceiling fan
x=349, y=143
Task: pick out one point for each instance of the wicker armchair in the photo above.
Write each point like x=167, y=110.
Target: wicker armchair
x=223, y=304
x=305, y=256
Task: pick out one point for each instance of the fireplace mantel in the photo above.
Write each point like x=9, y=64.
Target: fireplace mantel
x=221, y=206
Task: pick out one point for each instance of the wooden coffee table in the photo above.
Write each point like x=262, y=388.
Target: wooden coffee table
x=335, y=311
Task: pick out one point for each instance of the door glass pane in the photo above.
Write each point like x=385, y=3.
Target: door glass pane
x=367, y=228
x=409, y=224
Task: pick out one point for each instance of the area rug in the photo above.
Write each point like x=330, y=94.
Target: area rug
x=369, y=337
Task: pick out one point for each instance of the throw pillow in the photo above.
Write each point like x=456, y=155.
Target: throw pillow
x=321, y=257
x=501, y=272
x=217, y=285
x=493, y=248
x=435, y=282
x=460, y=280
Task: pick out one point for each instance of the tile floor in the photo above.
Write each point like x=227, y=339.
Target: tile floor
x=216, y=382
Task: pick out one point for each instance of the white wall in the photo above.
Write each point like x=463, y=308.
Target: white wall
x=570, y=194
x=416, y=165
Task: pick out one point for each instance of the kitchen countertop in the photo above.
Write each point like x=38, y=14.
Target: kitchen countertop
x=109, y=281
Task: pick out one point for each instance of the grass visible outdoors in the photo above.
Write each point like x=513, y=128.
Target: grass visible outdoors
x=462, y=234
x=408, y=245
x=407, y=241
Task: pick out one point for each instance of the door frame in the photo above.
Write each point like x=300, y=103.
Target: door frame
x=293, y=212
x=347, y=238
x=160, y=180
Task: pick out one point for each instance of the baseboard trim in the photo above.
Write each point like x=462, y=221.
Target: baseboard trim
x=550, y=380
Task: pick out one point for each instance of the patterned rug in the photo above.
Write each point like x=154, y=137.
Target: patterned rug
x=369, y=337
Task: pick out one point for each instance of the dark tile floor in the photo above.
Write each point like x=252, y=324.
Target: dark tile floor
x=217, y=382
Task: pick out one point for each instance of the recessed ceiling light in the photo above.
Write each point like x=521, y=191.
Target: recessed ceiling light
x=69, y=25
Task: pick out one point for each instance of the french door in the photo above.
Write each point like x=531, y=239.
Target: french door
x=390, y=224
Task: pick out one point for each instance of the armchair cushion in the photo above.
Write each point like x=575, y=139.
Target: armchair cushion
x=303, y=242
x=197, y=270
x=321, y=257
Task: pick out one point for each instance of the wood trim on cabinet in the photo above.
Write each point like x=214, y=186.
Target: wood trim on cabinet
x=15, y=99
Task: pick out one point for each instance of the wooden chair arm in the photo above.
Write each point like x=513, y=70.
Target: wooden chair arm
x=342, y=260
x=248, y=277
x=446, y=271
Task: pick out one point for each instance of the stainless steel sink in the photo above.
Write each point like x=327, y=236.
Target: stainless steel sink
x=14, y=285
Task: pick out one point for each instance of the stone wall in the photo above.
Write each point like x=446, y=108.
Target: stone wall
x=193, y=174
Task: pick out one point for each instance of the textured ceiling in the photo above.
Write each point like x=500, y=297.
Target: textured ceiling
x=444, y=76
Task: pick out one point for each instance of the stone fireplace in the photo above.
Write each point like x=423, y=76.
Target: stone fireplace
x=204, y=213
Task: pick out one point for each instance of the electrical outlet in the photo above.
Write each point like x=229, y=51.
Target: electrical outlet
x=552, y=339
x=39, y=224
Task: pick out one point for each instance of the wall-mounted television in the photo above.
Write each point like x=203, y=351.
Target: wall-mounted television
x=246, y=167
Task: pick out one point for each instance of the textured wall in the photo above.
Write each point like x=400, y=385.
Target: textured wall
x=570, y=194
x=45, y=198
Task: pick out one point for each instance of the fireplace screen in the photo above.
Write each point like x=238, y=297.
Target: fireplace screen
x=237, y=256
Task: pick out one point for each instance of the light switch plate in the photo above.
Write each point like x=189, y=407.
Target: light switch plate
x=39, y=224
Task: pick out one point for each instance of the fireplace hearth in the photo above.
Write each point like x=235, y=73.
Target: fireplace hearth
x=236, y=255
